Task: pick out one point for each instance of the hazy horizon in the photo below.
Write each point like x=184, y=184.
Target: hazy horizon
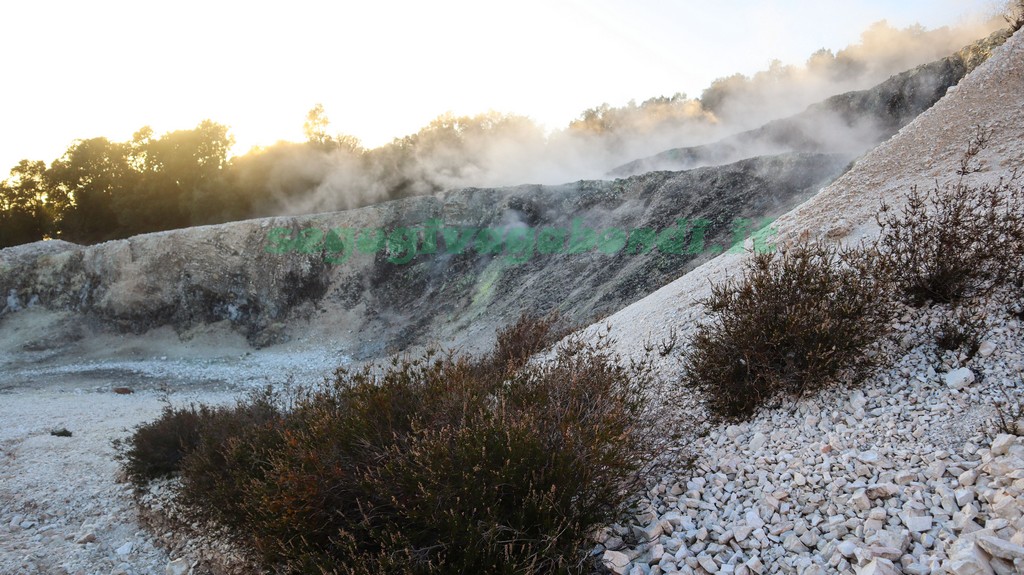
x=386, y=71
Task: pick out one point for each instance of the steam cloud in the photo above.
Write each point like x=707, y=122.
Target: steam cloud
x=493, y=149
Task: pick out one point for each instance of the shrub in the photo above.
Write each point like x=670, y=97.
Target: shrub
x=957, y=242
x=232, y=442
x=432, y=465
x=156, y=449
x=1009, y=416
x=530, y=334
x=793, y=322
x=961, y=330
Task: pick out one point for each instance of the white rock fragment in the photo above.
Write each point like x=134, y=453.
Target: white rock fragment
x=877, y=566
x=125, y=549
x=986, y=348
x=882, y=491
x=616, y=562
x=1001, y=444
x=753, y=519
x=918, y=524
x=758, y=441
x=999, y=548
x=959, y=378
x=179, y=566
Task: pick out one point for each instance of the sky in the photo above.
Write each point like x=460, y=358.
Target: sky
x=384, y=69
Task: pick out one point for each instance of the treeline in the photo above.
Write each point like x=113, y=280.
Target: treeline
x=100, y=190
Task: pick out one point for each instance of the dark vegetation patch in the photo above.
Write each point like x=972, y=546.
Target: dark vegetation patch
x=807, y=317
x=433, y=464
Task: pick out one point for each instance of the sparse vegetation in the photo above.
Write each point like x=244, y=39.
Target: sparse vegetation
x=1009, y=416
x=799, y=320
x=958, y=242
x=667, y=345
x=794, y=322
x=428, y=465
x=961, y=331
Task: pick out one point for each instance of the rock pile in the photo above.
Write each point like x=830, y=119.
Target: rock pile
x=902, y=475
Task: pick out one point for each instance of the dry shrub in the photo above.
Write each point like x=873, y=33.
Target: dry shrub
x=961, y=331
x=957, y=242
x=1009, y=416
x=433, y=465
x=156, y=449
x=792, y=323
x=530, y=334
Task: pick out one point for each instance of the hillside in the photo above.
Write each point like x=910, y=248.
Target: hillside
x=849, y=123
x=899, y=476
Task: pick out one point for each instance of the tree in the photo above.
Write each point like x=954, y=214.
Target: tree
x=24, y=215
x=315, y=126
x=86, y=181
x=177, y=178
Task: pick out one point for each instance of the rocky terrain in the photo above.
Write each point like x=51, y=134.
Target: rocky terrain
x=903, y=475
x=186, y=279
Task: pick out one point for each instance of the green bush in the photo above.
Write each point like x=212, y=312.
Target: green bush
x=793, y=322
x=433, y=464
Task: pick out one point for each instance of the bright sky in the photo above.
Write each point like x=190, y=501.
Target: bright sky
x=383, y=69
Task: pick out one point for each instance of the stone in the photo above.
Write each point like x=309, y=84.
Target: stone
x=125, y=549
x=708, y=563
x=999, y=548
x=741, y=533
x=857, y=400
x=649, y=533
x=793, y=543
x=859, y=501
x=967, y=559
x=986, y=348
x=1002, y=443
x=616, y=562
x=868, y=457
x=882, y=491
x=758, y=441
x=754, y=519
x=959, y=378
x=918, y=524
x=846, y=548
x=877, y=566
x=179, y=566
x=87, y=537
x=1002, y=567
x=905, y=477
x=964, y=496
